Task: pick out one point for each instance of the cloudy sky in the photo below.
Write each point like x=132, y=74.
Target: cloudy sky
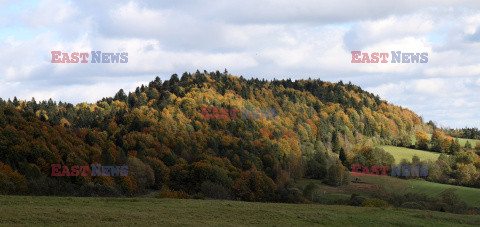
x=264, y=39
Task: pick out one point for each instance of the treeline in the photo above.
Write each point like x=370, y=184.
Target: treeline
x=467, y=133
x=158, y=131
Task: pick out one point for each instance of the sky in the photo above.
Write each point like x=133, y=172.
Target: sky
x=253, y=38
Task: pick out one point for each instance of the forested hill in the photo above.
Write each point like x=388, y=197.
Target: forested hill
x=160, y=133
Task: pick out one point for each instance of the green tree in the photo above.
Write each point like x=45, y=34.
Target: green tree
x=343, y=155
x=316, y=166
x=468, y=145
x=254, y=185
x=107, y=158
x=335, y=143
x=455, y=146
x=337, y=175
x=121, y=96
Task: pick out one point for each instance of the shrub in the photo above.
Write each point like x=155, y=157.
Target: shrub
x=309, y=190
x=167, y=193
x=198, y=196
x=50, y=187
x=94, y=190
x=356, y=200
x=214, y=191
x=292, y=195
x=412, y=205
x=374, y=203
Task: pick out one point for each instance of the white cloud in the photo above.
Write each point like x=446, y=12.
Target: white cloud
x=50, y=13
x=281, y=39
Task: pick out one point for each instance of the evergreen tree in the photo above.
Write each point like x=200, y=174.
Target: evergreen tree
x=343, y=155
x=468, y=145
x=455, y=146
x=121, y=96
x=107, y=158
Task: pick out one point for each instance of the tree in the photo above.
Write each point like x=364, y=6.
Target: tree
x=141, y=173
x=121, y=96
x=415, y=160
x=468, y=145
x=161, y=172
x=316, y=166
x=107, y=158
x=455, y=146
x=477, y=147
x=15, y=101
x=422, y=140
x=174, y=79
x=337, y=175
x=343, y=155
x=335, y=143
x=437, y=141
x=11, y=182
x=214, y=190
x=432, y=124
x=254, y=185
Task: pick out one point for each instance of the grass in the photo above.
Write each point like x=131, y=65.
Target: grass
x=60, y=211
x=376, y=184
x=473, y=142
x=400, y=153
x=470, y=195
x=392, y=184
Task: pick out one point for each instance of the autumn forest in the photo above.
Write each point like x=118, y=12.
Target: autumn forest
x=158, y=131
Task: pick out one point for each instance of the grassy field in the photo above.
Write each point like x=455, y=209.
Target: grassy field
x=461, y=140
x=376, y=184
x=60, y=211
x=470, y=195
x=392, y=184
x=400, y=153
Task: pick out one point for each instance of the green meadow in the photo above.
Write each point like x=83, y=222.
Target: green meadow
x=392, y=184
x=371, y=185
x=68, y=211
x=400, y=153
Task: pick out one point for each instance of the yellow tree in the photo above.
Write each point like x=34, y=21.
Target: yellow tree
x=422, y=140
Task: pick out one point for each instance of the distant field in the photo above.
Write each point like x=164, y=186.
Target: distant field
x=461, y=140
x=374, y=184
x=60, y=211
x=400, y=153
x=469, y=195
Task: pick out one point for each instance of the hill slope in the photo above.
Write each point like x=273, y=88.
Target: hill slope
x=160, y=132
x=160, y=129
